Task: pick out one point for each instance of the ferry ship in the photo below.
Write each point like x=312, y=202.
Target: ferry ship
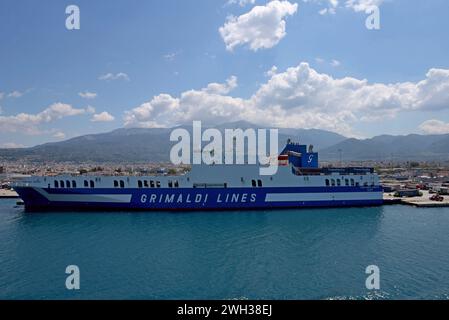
x=298, y=183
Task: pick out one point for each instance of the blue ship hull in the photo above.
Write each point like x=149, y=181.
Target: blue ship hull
x=182, y=199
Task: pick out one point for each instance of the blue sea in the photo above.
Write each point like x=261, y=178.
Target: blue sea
x=294, y=254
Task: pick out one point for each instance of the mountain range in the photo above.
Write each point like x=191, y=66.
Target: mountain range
x=411, y=147
x=153, y=145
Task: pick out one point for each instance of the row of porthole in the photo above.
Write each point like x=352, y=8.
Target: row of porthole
x=120, y=183
x=72, y=184
x=338, y=182
x=256, y=183
x=117, y=184
x=140, y=184
x=148, y=184
x=156, y=184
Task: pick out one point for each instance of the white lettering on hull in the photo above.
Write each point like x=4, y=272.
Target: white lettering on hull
x=198, y=198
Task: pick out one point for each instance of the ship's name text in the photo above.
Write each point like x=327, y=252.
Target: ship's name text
x=199, y=198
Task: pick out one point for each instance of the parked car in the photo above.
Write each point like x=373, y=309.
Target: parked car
x=436, y=197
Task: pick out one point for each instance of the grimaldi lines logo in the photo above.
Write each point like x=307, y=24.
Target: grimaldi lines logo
x=199, y=198
x=259, y=146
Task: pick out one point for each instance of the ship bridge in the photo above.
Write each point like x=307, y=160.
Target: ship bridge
x=299, y=156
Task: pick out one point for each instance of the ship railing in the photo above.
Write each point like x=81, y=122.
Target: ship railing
x=331, y=171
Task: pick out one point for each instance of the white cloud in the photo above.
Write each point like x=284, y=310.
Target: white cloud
x=355, y=5
x=434, y=127
x=15, y=94
x=362, y=5
x=299, y=97
x=271, y=72
x=87, y=95
x=28, y=123
x=241, y=3
x=171, y=56
x=331, y=8
x=261, y=28
x=155, y=113
x=335, y=63
x=102, y=117
x=112, y=77
x=209, y=104
x=222, y=88
x=11, y=145
x=59, y=135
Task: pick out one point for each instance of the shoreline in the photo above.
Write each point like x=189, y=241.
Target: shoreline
x=420, y=202
x=8, y=194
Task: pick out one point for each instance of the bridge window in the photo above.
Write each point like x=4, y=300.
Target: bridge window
x=176, y=184
x=333, y=182
x=67, y=183
x=352, y=182
x=365, y=184
x=92, y=184
x=338, y=182
x=328, y=183
x=259, y=183
x=357, y=184
x=158, y=184
x=115, y=184
x=139, y=184
x=61, y=183
x=152, y=185
x=122, y=184
x=86, y=184
x=253, y=183
x=170, y=184
x=73, y=184
x=56, y=184
x=347, y=182
x=145, y=183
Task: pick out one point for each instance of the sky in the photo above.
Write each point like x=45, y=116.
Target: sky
x=161, y=63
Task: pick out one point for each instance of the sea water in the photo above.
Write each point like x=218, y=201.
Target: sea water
x=281, y=254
